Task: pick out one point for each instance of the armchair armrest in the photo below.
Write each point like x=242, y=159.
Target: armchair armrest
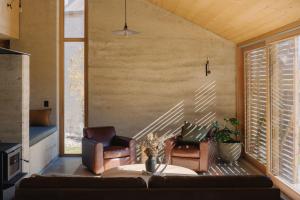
x=92, y=155
x=126, y=142
x=208, y=153
x=170, y=143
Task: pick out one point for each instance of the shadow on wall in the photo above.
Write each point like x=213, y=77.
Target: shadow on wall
x=169, y=124
x=205, y=102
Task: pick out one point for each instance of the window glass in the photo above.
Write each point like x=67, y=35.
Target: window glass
x=73, y=96
x=74, y=19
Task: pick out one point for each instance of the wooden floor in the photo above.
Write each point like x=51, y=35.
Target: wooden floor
x=241, y=167
x=73, y=166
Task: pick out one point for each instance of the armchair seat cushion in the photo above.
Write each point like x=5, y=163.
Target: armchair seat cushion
x=116, y=152
x=186, y=151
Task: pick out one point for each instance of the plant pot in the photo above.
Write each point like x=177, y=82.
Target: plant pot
x=150, y=164
x=230, y=152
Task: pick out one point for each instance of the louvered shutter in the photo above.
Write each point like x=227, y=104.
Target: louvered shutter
x=284, y=100
x=257, y=84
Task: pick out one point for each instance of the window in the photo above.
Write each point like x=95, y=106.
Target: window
x=272, y=84
x=257, y=82
x=73, y=83
x=285, y=110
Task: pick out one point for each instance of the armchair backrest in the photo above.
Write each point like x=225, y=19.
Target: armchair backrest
x=100, y=134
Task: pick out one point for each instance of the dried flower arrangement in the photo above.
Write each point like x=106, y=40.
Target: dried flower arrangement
x=152, y=145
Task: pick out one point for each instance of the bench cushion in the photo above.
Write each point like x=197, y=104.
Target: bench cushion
x=37, y=133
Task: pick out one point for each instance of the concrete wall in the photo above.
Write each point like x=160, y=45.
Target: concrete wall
x=153, y=81
x=39, y=37
x=14, y=102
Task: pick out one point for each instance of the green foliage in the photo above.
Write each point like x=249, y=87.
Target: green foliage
x=229, y=132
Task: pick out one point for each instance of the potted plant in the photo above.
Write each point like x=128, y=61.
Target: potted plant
x=229, y=145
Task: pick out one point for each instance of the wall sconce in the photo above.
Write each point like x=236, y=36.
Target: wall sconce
x=207, y=70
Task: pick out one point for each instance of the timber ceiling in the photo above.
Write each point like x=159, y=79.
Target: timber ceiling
x=235, y=20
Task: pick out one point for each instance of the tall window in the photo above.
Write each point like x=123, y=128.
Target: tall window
x=285, y=110
x=74, y=73
x=257, y=81
x=273, y=100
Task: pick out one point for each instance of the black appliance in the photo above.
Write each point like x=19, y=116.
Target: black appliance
x=10, y=169
x=10, y=162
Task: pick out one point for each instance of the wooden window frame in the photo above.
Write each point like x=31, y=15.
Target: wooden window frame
x=62, y=41
x=283, y=33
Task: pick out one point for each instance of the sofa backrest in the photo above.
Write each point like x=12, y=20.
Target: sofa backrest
x=175, y=188
x=39, y=182
x=251, y=181
x=100, y=134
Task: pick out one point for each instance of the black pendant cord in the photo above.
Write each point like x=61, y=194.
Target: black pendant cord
x=125, y=14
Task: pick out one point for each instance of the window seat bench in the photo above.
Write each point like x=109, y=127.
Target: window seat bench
x=43, y=149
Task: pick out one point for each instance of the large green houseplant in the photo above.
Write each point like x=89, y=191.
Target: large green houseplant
x=227, y=136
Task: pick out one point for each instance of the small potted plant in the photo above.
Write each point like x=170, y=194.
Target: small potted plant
x=229, y=145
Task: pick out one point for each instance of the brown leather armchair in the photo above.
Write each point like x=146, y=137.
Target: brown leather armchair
x=197, y=157
x=103, y=149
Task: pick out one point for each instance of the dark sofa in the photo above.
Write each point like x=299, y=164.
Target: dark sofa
x=170, y=187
